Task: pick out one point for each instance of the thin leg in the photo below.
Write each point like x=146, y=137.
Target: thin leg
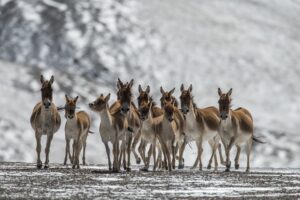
x=249, y=148
x=200, y=150
x=134, y=143
x=129, y=153
x=83, y=153
x=220, y=154
x=237, y=157
x=47, y=150
x=108, y=155
x=67, y=150
x=181, y=150
x=38, y=150
x=228, y=149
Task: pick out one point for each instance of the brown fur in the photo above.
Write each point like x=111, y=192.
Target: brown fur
x=45, y=119
x=236, y=127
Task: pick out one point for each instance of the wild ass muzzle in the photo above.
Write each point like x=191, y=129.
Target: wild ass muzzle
x=201, y=125
x=77, y=128
x=45, y=120
x=236, y=128
x=112, y=127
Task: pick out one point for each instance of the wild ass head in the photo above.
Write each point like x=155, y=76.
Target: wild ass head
x=169, y=108
x=145, y=110
x=70, y=107
x=224, y=103
x=186, y=99
x=167, y=97
x=47, y=91
x=124, y=95
x=100, y=103
x=144, y=96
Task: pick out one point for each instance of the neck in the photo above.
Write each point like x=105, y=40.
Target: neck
x=105, y=115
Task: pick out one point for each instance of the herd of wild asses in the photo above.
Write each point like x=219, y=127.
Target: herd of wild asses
x=158, y=132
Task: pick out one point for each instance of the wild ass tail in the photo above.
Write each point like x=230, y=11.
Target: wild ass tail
x=256, y=139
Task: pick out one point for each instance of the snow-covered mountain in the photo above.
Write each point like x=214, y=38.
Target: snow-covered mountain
x=252, y=46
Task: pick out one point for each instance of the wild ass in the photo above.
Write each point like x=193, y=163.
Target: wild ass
x=77, y=128
x=112, y=127
x=178, y=117
x=169, y=134
x=236, y=128
x=201, y=125
x=45, y=120
x=128, y=108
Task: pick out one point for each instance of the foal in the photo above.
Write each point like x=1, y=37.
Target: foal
x=45, y=120
x=77, y=128
x=201, y=125
x=236, y=128
x=112, y=127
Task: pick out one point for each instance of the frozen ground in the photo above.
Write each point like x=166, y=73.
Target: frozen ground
x=23, y=180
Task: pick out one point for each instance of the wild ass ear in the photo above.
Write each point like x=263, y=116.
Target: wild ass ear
x=190, y=88
x=52, y=79
x=130, y=83
x=42, y=79
x=148, y=89
x=119, y=83
x=140, y=88
x=229, y=92
x=220, y=92
x=181, y=87
x=107, y=97
x=172, y=91
x=76, y=98
x=67, y=98
x=162, y=90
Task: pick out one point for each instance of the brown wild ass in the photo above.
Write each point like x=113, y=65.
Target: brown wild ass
x=77, y=128
x=178, y=117
x=143, y=104
x=45, y=120
x=236, y=128
x=169, y=134
x=201, y=125
x=128, y=108
x=112, y=128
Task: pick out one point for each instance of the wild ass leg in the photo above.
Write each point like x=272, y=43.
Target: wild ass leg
x=67, y=150
x=134, y=143
x=154, y=155
x=129, y=152
x=78, y=150
x=220, y=154
x=38, y=150
x=141, y=149
x=228, y=149
x=116, y=154
x=249, y=148
x=237, y=157
x=83, y=153
x=47, y=150
x=211, y=144
x=181, y=150
x=108, y=155
x=200, y=150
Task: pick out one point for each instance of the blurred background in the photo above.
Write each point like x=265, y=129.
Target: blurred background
x=251, y=46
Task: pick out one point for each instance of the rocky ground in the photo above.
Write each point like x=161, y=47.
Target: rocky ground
x=24, y=181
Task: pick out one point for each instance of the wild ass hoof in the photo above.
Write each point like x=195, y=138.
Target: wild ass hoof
x=84, y=163
x=39, y=165
x=73, y=167
x=144, y=169
x=247, y=170
x=208, y=166
x=115, y=170
x=128, y=169
x=138, y=161
x=227, y=170
x=237, y=166
x=46, y=166
x=181, y=166
x=228, y=165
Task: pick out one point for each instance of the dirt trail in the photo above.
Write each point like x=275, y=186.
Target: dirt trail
x=23, y=180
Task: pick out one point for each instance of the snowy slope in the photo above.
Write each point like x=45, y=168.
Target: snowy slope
x=251, y=46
